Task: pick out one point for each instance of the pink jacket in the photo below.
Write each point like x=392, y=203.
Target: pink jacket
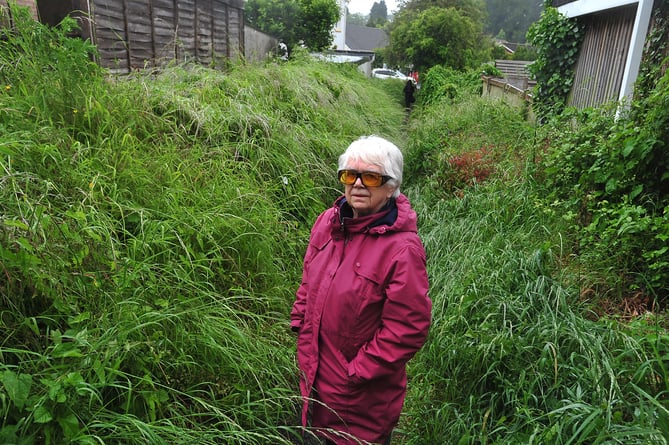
x=362, y=311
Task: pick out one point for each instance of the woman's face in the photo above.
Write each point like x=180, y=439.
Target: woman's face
x=366, y=200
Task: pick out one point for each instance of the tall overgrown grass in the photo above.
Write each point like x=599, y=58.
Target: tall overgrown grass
x=153, y=227
x=517, y=353
x=513, y=355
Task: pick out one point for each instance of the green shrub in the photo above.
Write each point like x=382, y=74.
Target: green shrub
x=610, y=171
x=468, y=168
x=43, y=72
x=441, y=82
x=513, y=355
x=463, y=141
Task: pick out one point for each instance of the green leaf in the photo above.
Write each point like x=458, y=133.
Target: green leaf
x=79, y=318
x=5, y=150
x=66, y=350
x=42, y=415
x=69, y=424
x=629, y=148
x=14, y=223
x=611, y=185
x=8, y=435
x=636, y=191
x=56, y=392
x=17, y=387
x=75, y=379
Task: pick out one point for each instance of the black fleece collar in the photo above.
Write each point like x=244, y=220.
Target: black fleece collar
x=386, y=216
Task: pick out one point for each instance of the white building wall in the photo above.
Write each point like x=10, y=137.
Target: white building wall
x=339, y=30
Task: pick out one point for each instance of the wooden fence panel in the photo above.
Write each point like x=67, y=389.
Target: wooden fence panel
x=139, y=25
x=220, y=31
x=134, y=34
x=185, y=29
x=164, y=30
x=110, y=35
x=236, y=34
x=5, y=15
x=204, y=32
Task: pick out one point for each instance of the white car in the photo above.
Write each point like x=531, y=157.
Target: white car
x=386, y=73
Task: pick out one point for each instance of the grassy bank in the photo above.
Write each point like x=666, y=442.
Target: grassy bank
x=521, y=349
x=153, y=227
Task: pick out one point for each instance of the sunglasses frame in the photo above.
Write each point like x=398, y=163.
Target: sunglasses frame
x=358, y=175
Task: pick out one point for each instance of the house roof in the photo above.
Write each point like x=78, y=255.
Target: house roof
x=365, y=38
x=575, y=8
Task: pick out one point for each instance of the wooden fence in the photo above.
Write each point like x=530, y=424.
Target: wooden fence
x=135, y=34
x=5, y=13
x=514, y=86
x=515, y=72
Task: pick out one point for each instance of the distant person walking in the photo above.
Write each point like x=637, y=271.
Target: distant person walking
x=409, y=90
x=414, y=76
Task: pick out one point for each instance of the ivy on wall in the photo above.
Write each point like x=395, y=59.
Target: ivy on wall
x=557, y=40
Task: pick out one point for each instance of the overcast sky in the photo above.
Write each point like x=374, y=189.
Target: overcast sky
x=364, y=6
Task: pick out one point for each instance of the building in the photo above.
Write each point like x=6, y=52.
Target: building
x=354, y=43
x=610, y=56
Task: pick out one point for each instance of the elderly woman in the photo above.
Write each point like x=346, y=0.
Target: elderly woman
x=362, y=309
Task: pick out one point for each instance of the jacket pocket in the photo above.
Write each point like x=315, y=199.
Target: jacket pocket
x=370, y=297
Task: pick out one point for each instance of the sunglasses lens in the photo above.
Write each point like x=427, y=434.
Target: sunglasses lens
x=347, y=177
x=368, y=179
x=372, y=179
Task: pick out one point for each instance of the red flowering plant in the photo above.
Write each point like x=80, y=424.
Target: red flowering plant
x=468, y=168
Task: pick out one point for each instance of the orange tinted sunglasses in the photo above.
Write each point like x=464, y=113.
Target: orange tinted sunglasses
x=368, y=179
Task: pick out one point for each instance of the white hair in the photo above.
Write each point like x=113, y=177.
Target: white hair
x=377, y=151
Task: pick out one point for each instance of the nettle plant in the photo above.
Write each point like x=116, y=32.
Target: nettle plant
x=557, y=40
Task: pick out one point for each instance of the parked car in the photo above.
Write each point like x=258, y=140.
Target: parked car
x=386, y=73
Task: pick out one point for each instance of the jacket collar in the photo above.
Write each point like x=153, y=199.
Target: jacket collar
x=386, y=217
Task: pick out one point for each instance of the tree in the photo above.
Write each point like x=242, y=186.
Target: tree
x=512, y=18
x=378, y=15
x=293, y=20
x=356, y=19
x=474, y=9
x=436, y=36
x=317, y=19
x=273, y=17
